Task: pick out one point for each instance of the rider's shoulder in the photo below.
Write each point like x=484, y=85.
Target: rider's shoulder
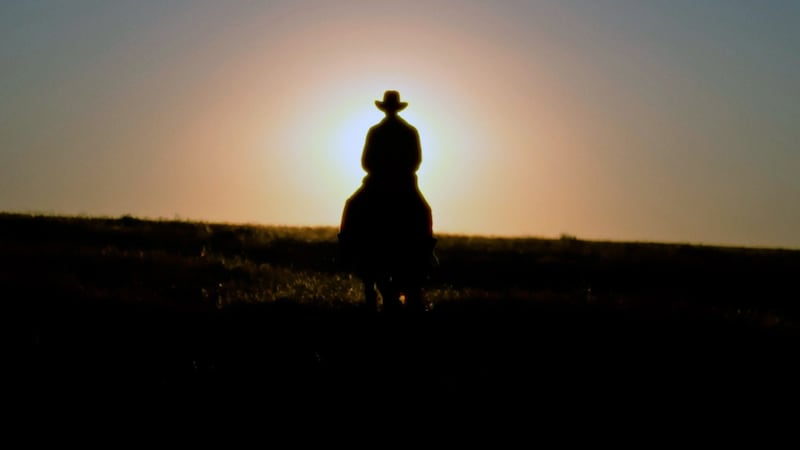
x=405, y=124
x=393, y=123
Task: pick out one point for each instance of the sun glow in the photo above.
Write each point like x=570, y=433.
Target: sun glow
x=340, y=142
x=347, y=145
x=327, y=141
x=349, y=135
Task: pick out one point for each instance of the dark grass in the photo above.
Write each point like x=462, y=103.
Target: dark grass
x=166, y=316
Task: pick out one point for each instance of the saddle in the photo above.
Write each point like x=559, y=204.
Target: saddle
x=384, y=232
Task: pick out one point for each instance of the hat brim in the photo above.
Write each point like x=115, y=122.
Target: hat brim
x=390, y=106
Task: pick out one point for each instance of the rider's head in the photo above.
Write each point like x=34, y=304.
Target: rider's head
x=391, y=103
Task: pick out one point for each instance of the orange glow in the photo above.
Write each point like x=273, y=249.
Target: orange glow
x=535, y=118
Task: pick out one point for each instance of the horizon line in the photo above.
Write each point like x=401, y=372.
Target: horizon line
x=565, y=236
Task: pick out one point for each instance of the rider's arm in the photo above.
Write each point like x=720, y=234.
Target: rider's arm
x=417, y=151
x=368, y=155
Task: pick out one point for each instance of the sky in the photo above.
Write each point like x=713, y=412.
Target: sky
x=625, y=120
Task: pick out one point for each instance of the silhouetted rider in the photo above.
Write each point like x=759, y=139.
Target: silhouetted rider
x=392, y=152
x=387, y=229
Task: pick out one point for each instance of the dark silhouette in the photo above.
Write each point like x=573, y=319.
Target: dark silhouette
x=387, y=228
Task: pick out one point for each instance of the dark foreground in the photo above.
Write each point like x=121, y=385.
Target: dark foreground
x=125, y=318
x=477, y=359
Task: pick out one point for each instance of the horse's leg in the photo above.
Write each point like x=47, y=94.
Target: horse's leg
x=411, y=285
x=370, y=294
x=414, y=299
x=390, y=295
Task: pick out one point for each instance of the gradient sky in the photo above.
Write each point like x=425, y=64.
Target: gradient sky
x=673, y=121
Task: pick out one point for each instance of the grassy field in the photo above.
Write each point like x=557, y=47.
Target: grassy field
x=125, y=311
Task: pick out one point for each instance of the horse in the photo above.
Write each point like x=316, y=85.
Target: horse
x=387, y=240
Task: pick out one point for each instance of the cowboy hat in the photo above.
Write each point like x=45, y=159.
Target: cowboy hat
x=391, y=102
